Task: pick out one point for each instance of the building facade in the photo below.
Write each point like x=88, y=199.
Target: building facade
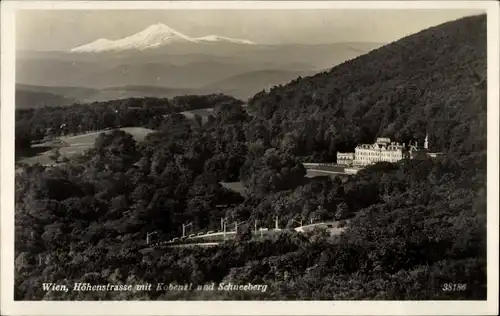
x=383, y=150
x=345, y=159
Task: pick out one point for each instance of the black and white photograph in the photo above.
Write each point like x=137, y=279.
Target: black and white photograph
x=268, y=152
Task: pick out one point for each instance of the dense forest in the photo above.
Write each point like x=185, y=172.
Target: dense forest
x=430, y=82
x=35, y=124
x=413, y=227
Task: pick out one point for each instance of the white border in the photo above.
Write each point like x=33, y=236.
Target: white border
x=10, y=307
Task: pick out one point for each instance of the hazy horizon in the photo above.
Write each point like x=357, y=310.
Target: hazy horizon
x=52, y=30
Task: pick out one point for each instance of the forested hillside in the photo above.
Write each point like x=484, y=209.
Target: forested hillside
x=32, y=97
x=412, y=228
x=431, y=82
x=27, y=99
x=32, y=124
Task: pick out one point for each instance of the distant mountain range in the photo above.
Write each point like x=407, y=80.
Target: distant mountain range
x=26, y=98
x=162, y=62
x=154, y=36
x=241, y=86
x=29, y=96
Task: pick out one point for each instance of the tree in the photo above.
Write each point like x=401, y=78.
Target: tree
x=244, y=233
x=342, y=211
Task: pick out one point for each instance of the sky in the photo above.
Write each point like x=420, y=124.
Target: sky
x=63, y=30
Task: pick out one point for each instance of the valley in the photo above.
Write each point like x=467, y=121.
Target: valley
x=158, y=62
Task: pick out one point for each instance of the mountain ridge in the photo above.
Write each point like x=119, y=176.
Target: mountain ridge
x=153, y=36
x=180, y=66
x=32, y=96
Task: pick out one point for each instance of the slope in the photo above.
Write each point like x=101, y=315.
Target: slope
x=191, y=75
x=33, y=99
x=432, y=81
x=30, y=96
x=124, y=92
x=77, y=93
x=247, y=84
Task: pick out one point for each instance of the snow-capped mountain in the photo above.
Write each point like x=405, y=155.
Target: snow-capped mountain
x=153, y=36
x=217, y=38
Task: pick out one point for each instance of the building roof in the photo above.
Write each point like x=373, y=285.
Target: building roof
x=380, y=146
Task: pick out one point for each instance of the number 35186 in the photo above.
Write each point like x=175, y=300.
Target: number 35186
x=454, y=287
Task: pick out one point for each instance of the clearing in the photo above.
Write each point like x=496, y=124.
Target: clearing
x=70, y=146
x=238, y=187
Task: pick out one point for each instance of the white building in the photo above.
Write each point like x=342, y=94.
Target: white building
x=345, y=159
x=382, y=150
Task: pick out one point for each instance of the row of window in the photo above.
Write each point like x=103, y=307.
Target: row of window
x=396, y=154
x=380, y=147
x=377, y=158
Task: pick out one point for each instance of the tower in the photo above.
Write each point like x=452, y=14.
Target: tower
x=426, y=142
